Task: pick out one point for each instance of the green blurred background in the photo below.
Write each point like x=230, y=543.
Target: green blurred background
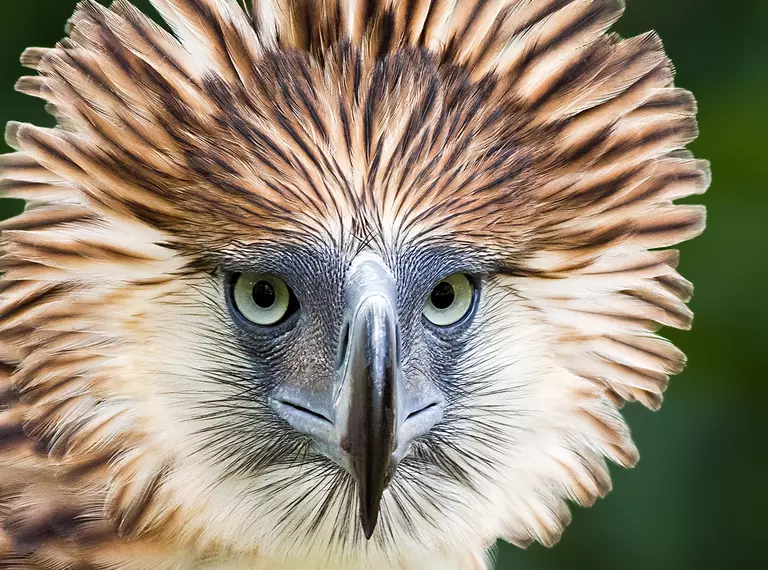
x=699, y=497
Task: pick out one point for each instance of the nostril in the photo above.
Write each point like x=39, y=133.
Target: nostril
x=342, y=352
x=398, y=346
x=307, y=415
x=426, y=409
x=419, y=423
x=302, y=410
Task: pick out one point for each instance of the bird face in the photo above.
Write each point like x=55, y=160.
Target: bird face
x=383, y=387
x=356, y=407
x=333, y=285
x=361, y=363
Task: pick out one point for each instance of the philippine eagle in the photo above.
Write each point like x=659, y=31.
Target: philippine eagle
x=333, y=284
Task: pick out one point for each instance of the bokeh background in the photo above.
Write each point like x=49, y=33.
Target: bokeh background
x=699, y=497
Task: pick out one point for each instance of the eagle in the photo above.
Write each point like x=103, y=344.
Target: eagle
x=334, y=284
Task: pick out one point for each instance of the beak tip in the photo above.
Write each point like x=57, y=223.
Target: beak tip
x=370, y=505
x=368, y=530
x=368, y=520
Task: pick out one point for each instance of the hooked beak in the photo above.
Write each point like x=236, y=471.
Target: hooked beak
x=367, y=403
x=368, y=417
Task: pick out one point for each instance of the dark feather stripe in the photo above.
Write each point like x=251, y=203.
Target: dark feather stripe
x=149, y=33
x=14, y=310
x=671, y=100
x=18, y=164
x=32, y=57
x=676, y=315
x=677, y=224
x=11, y=425
x=653, y=349
x=600, y=14
x=39, y=248
x=43, y=218
x=660, y=136
x=32, y=85
x=140, y=506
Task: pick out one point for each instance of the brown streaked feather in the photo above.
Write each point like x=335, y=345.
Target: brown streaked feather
x=34, y=191
x=47, y=526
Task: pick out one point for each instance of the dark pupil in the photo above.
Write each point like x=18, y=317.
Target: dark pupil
x=264, y=294
x=443, y=295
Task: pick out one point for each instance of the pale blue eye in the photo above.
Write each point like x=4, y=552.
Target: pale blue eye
x=450, y=300
x=262, y=299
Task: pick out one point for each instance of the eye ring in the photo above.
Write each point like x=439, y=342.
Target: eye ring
x=262, y=299
x=451, y=301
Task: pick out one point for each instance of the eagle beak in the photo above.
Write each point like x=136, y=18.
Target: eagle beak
x=366, y=419
x=366, y=406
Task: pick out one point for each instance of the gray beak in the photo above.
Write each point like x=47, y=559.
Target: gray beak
x=367, y=417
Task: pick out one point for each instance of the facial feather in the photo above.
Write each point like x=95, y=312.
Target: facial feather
x=519, y=132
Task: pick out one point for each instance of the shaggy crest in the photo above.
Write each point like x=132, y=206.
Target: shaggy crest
x=522, y=130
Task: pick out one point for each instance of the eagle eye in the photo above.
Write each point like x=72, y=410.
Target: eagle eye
x=451, y=301
x=263, y=299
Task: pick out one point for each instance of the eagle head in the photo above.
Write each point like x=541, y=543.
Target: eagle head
x=334, y=284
